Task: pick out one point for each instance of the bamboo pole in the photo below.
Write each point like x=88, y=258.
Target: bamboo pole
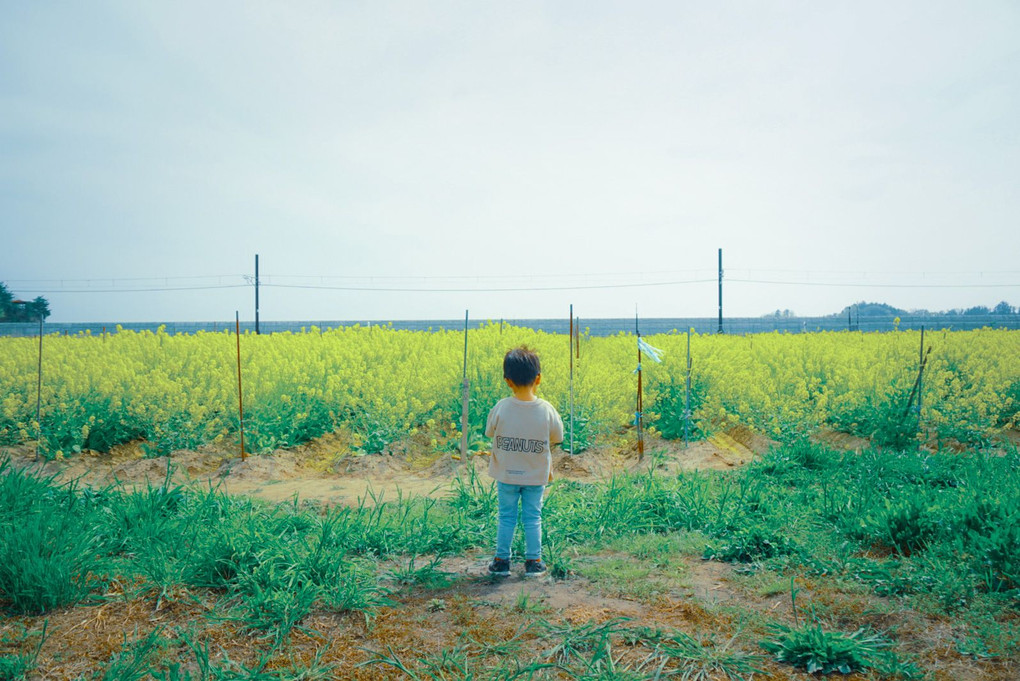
x=240, y=402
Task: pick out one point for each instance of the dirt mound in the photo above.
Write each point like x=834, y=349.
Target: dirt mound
x=283, y=465
x=838, y=440
x=331, y=471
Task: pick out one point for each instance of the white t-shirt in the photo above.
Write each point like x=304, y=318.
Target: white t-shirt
x=523, y=433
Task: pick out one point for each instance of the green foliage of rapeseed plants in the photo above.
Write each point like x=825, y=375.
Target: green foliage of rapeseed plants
x=668, y=410
x=181, y=391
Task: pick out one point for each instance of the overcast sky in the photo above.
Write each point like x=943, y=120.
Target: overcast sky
x=544, y=145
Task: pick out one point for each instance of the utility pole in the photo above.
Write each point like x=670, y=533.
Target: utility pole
x=720, y=291
x=256, y=294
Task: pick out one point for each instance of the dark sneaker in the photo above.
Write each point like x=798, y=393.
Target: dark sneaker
x=534, y=568
x=499, y=567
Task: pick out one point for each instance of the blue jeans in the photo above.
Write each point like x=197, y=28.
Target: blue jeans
x=530, y=499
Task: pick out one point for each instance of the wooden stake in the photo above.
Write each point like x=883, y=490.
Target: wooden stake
x=240, y=402
x=464, y=397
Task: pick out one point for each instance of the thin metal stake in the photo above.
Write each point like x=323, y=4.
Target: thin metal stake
x=571, y=353
x=38, y=394
x=637, y=420
x=464, y=397
x=257, y=331
x=240, y=402
x=920, y=379
x=916, y=390
x=687, y=395
x=720, y=290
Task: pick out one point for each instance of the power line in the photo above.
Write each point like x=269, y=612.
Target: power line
x=134, y=290
x=454, y=277
x=868, y=285
x=491, y=290
x=109, y=285
x=112, y=280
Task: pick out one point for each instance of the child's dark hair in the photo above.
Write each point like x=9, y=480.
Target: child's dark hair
x=521, y=366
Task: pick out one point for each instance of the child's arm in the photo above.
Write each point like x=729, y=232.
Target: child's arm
x=555, y=429
x=491, y=423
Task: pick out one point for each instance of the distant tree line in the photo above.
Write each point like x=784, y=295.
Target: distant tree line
x=14, y=310
x=865, y=309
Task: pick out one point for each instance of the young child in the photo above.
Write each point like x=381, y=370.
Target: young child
x=523, y=429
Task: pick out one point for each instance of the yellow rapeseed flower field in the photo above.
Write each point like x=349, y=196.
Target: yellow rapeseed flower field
x=181, y=391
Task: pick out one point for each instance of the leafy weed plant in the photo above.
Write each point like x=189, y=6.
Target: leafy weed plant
x=812, y=648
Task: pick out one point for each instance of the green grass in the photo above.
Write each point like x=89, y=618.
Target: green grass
x=18, y=665
x=626, y=577
x=935, y=534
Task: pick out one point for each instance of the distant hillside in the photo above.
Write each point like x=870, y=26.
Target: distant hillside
x=863, y=309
